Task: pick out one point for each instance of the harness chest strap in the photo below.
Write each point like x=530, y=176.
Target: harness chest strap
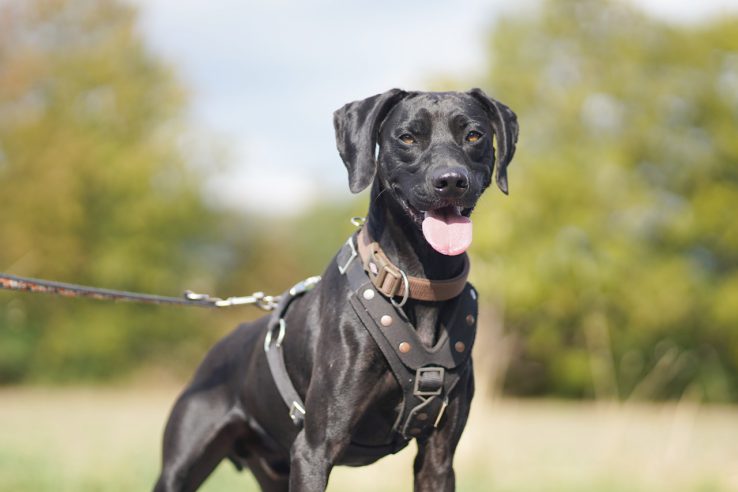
x=426, y=376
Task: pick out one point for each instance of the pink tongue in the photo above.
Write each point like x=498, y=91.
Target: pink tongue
x=447, y=232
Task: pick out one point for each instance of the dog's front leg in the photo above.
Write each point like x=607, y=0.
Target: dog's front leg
x=434, y=469
x=312, y=460
x=339, y=393
x=434, y=463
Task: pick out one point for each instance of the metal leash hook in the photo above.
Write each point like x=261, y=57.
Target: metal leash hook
x=262, y=301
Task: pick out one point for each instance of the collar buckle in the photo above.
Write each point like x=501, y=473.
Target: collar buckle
x=385, y=276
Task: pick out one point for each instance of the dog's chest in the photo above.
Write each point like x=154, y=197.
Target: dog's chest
x=427, y=321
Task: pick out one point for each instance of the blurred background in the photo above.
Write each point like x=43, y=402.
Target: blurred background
x=161, y=145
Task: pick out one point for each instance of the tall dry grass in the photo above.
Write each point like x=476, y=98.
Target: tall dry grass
x=92, y=439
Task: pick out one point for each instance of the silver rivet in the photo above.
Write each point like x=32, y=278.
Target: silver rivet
x=459, y=346
x=368, y=294
x=405, y=347
x=473, y=294
x=469, y=319
x=386, y=320
x=373, y=268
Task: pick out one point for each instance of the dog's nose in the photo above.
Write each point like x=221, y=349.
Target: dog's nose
x=450, y=183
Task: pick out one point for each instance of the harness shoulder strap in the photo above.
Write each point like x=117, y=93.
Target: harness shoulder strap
x=426, y=376
x=275, y=359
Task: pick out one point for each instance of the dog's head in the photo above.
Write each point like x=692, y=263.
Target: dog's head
x=436, y=155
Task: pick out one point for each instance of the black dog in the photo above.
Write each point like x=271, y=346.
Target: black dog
x=435, y=159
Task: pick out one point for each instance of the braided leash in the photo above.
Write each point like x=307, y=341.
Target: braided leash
x=189, y=298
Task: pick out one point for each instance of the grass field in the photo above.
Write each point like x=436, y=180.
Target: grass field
x=89, y=439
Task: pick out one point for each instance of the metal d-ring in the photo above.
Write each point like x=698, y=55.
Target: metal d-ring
x=280, y=336
x=267, y=340
x=343, y=268
x=406, y=283
x=358, y=221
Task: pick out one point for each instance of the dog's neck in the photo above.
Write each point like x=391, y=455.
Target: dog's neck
x=403, y=242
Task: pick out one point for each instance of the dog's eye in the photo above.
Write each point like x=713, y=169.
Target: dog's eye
x=473, y=136
x=407, y=138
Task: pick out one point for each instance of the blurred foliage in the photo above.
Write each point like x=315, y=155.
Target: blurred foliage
x=95, y=190
x=612, y=263
x=98, y=188
x=614, y=260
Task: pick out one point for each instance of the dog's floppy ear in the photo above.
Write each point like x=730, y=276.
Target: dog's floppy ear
x=357, y=129
x=505, y=125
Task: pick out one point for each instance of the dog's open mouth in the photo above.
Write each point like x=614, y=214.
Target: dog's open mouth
x=448, y=229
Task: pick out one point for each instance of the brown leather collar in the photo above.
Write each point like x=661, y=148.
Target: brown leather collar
x=388, y=279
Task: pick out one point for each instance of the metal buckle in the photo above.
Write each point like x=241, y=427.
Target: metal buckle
x=342, y=269
x=444, y=404
x=267, y=341
x=422, y=370
x=297, y=413
x=280, y=336
x=383, y=271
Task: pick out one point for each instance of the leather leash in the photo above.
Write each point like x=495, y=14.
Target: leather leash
x=189, y=298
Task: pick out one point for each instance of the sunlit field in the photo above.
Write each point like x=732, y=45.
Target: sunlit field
x=108, y=440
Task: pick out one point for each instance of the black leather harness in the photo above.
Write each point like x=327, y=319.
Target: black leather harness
x=427, y=376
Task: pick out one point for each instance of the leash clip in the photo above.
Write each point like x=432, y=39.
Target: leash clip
x=261, y=300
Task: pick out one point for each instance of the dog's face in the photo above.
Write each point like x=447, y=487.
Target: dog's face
x=436, y=155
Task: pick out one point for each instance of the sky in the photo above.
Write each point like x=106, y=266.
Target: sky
x=265, y=76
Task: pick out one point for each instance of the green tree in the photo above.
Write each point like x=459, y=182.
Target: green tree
x=94, y=189
x=615, y=259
